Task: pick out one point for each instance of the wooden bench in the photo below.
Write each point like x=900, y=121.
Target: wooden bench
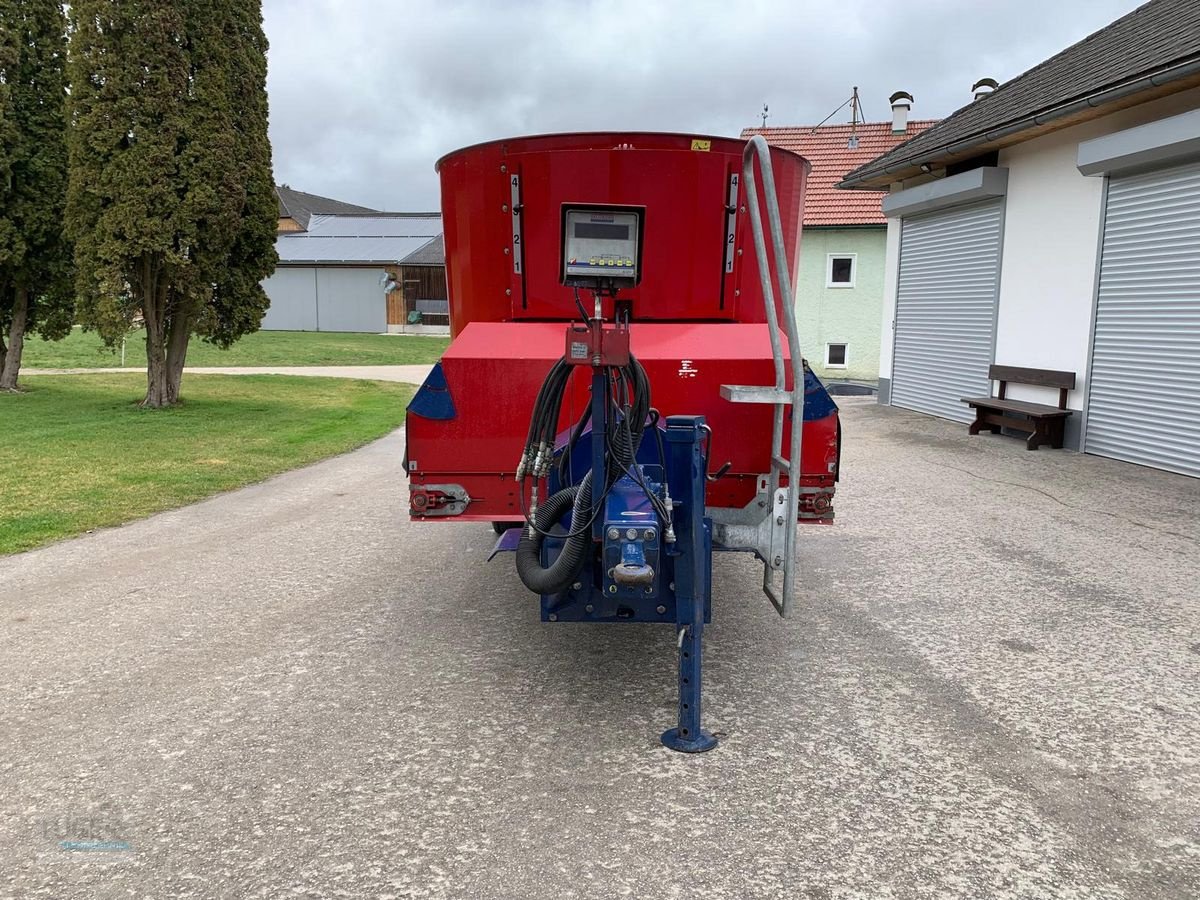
x=430, y=312
x=1042, y=422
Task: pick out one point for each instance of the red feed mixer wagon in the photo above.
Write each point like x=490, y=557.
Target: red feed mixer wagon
x=619, y=394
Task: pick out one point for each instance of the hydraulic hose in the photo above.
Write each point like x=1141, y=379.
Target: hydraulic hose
x=627, y=395
x=563, y=572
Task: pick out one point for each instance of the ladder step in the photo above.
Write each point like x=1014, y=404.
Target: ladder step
x=753, y=393
x=776, y=597
x=781, y=463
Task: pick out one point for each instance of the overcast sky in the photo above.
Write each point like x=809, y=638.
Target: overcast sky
x=367, y=94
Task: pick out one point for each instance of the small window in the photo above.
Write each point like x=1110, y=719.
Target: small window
x=835, y=356
x=839, y=270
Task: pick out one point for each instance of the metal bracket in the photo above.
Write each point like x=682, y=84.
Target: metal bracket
x=753, y=393
x=438, y=499
x=760, y=527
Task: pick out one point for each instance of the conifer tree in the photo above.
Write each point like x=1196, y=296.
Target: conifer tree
x=35, y=278
x=171, y=201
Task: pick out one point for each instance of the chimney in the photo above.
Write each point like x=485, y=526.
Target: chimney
x=901, y=102
x=983, y=87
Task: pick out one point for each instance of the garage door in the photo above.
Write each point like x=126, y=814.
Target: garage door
x=325, y=298
x=946, y=309
x=293, y=296
x=1144, y=393
x=351, y=300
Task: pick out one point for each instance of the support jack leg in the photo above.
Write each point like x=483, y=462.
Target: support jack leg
x=688, y=736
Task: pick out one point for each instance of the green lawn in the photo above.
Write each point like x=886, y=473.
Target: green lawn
x=83, y=350
x=76, y=453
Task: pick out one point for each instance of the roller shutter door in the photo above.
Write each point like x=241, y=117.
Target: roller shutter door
x=1144, y=392
x=946, y=309
x=351, y=300
x=293, y=295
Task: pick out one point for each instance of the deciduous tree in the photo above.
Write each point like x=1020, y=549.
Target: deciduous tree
x=35, y=281
x=171, y=200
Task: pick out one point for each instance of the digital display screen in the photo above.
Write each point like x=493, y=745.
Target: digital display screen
x=601, y=231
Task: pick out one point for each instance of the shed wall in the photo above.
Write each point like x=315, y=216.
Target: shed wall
x=416, y=283
x=326, y=298
x=293, y=293
x=351, y=299
x=1051, y=250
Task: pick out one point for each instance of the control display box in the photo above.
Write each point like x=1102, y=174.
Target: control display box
x=601, y=245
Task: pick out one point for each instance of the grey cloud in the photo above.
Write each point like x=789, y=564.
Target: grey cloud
x=365, y=96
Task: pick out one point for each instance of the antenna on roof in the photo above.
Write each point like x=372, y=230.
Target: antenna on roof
x=856, y=117
x=764, y=116
x=855, y=109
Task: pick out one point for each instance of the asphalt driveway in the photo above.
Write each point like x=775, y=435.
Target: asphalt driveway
x=989, y=690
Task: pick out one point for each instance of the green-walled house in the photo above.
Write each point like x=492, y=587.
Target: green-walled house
x=839, y=294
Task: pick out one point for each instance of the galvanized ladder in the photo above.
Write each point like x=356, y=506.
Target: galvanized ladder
x=768, y=525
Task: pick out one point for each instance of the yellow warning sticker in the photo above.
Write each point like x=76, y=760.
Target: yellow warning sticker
x=703, y=146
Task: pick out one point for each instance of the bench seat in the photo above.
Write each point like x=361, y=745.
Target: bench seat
x=1017, y=406
x=1045, y=424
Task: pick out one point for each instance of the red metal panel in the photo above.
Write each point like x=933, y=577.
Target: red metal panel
x=681, y=181
x=695, y=327
x=494, y=371
x=676, y=235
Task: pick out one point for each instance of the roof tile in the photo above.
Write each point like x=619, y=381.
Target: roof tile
x=827, y=147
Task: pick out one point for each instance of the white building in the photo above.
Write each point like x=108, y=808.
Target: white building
x=1055, y=224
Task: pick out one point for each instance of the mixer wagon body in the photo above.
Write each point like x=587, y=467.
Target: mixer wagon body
x=643, y=260
x=697, y=314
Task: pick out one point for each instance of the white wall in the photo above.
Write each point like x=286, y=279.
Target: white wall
x=1048, y=261
x=1049, y=257
x=891, y=278
x=1051, y=247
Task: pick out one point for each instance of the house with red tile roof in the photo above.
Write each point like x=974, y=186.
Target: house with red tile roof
x=839, y=287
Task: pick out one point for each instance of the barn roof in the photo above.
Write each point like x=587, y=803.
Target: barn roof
x=360, y=239
x=432, y=253
x=302, y=206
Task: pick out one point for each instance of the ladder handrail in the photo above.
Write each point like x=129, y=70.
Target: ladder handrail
x=757, y=147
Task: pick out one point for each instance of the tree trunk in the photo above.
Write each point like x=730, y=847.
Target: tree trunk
x=166, y=349
x=16, y=342
x=154, y=313
x=157, y=393
x=177, y=347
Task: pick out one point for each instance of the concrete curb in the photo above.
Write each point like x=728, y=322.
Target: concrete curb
x=408, y=374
